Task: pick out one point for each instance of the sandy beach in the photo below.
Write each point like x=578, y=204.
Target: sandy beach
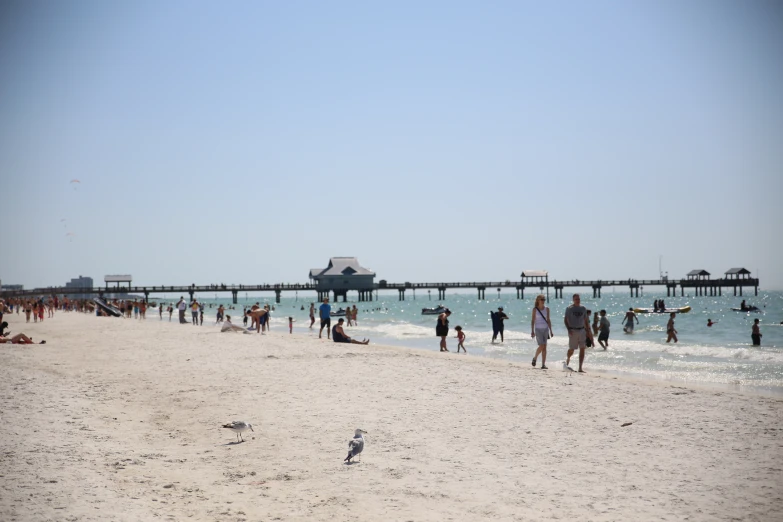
x=117, y=419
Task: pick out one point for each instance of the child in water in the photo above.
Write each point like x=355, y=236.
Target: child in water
x=291, y=322
x=461, y=337
x=709, y=322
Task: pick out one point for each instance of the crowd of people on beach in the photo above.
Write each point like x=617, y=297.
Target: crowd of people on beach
x=581, y=333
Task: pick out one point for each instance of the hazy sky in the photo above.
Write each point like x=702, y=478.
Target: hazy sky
x=232, y=142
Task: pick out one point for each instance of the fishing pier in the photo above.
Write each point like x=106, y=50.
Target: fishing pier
x=699, y=282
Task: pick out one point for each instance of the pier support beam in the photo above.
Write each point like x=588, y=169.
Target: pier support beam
x=520, y=292
x=402, y=293
x=277, y=296
x=441, y=294
x=191, y=292
x=146, y=296
x=596, y=291
x=481, y=292
x=234, y=294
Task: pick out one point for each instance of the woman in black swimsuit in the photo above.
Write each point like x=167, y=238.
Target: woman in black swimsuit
x=442, y=329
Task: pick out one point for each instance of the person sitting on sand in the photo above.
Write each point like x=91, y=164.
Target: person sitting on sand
x=228, y=327
x=338, y=335
x=18, y=339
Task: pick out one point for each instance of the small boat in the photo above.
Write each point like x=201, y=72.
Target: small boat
x=748, y=309
x=433, y=311
x=338, y=313
x=681, y=310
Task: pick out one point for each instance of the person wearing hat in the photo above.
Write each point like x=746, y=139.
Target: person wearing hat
x=497, y=323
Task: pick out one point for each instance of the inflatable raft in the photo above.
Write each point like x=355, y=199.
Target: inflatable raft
x=681, y=310
x=106, y=307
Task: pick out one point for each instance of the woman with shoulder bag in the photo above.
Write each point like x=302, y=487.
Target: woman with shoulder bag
x=541, y=328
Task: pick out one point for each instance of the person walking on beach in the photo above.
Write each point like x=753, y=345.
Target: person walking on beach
x=312, y=315
x=670, y=331
x=355, y=312
x=160, y=311
x=629, y=318
x=595, y=323
x=348, y=315
x=603, y=326
x=181, y=307
x=170, y=310
x=578, y=331
x=325, y=312
x=442, y=329
x=756, y=333
x=291, y=322
x=460, y=339
x=541, y=329
x=497, y=323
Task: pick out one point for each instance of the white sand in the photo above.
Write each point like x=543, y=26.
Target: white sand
x=119, y=420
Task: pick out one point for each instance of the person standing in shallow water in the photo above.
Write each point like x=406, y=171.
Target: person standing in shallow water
x=756, y=333
x=497, y=323
x=671, y=333
x=442, y=329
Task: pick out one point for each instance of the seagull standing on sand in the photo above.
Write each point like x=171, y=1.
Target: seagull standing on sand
x=238, y=427
x=355, y=445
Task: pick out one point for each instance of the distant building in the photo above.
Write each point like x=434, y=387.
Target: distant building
x=10, y=288
x=343, y=273
x=79, y=282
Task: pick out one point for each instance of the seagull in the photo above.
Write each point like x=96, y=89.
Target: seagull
x=238, y=427
x=355, y=445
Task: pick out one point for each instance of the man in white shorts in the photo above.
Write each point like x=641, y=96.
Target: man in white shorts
x=578, y=331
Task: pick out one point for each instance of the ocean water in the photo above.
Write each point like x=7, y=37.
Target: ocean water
x=718, y=355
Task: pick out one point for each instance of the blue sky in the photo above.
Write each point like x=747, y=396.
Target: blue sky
x=436, y=141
